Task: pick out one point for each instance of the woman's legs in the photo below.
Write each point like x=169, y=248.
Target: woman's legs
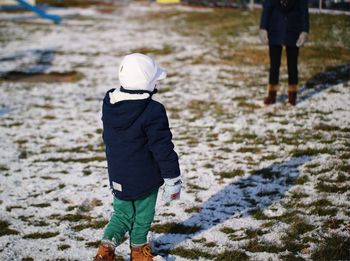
x=292, y=64
x=275, y=53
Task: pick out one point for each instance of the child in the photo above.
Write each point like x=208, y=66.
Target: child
x=140, y=156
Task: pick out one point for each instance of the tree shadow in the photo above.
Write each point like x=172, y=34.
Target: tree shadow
x=239, y=199
x=320, y=82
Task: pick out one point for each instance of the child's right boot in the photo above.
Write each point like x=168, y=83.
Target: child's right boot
x=105, y=252
x=141, y=253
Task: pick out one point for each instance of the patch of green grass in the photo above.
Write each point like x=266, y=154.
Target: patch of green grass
x=200, y=240
x=231, y=255
x=23, y=154
x=71, y=208
x=321, y=203
x=93, y=244
x=49, y=117
x=324, y=211
x=254, y=150
x=299, y=227
x=256, y=246
x=95, y=224
x=333, y=223
x=82, y=149
x=301, y=180
x=210, y=244
x=193, y=210
x=269, y=157
x=331, y=188
x=87, y=172
x=9, y=208
x=253, y=233
x=70, y=217
x=344, y=167
x=41, y=205
x=325, y=127
x=41, y=235
x=4, y=168
x=200, y=107
x=267, y=173
x=47, y=106
x=291, y=257
x=165, y=50
x=292, y=239
x=230, y=174
x=168, y=214
x=175, y=228
x=334, y=247
x=345, y=156
x=63, y=247
x=39, y=223
x=78, y=160
x=48, y=178
x=5, y=230
x=258, y=214
x=311, y=151
x=227, y=230
x=192, y=186
x=208, y=166
x=192, y=254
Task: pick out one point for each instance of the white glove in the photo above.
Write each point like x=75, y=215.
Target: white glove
x=172, y=189
x=263, y=36
x=302, y=39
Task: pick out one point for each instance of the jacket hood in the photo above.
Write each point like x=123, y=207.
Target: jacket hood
x=120, y=110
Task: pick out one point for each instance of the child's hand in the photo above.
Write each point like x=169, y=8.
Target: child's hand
x=172, y=189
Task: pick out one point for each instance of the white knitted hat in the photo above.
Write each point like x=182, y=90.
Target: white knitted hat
x=139, y=72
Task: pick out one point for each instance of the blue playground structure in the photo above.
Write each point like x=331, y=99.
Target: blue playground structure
x=55, y=18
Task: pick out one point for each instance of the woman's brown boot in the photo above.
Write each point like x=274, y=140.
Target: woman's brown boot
x=292, y=94
x=272, y=93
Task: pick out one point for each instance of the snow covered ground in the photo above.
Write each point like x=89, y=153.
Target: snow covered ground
x=259, y=182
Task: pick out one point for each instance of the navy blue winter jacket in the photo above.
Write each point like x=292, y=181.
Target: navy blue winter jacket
x=138, y=144
x=284, y=25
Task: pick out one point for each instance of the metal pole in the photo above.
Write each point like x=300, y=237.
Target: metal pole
x=251, y=5
x=320, y=5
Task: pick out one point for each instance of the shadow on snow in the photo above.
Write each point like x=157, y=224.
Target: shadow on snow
x=255, y=192
x=322, y=81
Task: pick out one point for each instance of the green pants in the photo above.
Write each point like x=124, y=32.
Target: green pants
x=135, y=217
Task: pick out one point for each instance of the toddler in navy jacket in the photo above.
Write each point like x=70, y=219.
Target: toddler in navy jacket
x=140, y=156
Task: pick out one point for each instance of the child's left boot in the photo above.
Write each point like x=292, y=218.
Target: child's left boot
x=105, y=252
x=141, y=253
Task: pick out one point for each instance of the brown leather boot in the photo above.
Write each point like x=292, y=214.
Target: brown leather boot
x=272, y=93
x=105, y=252
x=142, y=253
x=292, y=94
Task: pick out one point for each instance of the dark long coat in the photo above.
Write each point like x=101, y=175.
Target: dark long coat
x=284, y=24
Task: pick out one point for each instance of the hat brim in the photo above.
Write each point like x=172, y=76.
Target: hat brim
x=160, y=74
